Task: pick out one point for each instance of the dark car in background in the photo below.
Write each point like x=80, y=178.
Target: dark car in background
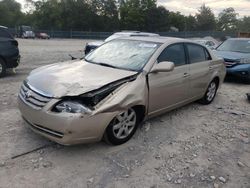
x=93, y=45
x=236, y=54
x=9, y=52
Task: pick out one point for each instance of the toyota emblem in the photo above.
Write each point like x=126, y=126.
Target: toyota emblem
x=27, y=95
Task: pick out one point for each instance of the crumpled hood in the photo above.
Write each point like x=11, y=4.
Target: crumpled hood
x=227, y=55
x=73, y=78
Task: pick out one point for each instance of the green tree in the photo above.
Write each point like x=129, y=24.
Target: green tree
x=106, y=14
x=244, y=24
x=190, y=23
x=227, y=20
x=177, y=20
x=205, y=19
x=157, y=19
x=133, y=13
x=10, y=13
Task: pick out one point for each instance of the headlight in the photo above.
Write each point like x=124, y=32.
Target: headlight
x=245, y=61
x=72, y=107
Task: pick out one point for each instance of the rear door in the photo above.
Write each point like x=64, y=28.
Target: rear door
x=200, y=69
x=168, y=89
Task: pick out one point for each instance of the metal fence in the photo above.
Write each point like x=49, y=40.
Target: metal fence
x=103, y=35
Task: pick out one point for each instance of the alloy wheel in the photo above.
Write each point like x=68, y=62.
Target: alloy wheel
x=124, y=124
x=211, y=91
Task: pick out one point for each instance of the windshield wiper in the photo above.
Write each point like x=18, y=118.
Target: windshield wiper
x=103, y=64
x=106, y=65
x=239, y=51
x=112, y=66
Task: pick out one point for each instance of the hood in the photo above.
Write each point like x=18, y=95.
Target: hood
x=95, y=43
x=73, y=78
x=227, y=55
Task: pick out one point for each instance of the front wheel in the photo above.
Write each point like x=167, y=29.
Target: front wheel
x=210, y=93
x=122, y=127
x=2, y=68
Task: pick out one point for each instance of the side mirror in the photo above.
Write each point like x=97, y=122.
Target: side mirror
x=164, y=66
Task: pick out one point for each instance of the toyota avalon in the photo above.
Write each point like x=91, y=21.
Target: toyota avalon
x=116, y=87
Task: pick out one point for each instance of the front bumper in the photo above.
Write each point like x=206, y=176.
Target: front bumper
x=65, y=128
x=240, y=70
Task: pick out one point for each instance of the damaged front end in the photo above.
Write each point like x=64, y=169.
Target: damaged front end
x=88, y=102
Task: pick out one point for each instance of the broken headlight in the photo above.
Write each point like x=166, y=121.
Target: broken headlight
x=86, y=102
x=72, y=107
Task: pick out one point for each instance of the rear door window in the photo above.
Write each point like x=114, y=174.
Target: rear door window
x=174, y=53
x=197, y=53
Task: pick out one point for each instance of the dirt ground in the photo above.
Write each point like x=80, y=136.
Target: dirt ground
x=194, y=146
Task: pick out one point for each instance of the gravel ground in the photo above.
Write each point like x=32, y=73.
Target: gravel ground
x=194, y=146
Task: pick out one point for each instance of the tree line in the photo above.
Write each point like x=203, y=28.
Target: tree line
x=115, y=15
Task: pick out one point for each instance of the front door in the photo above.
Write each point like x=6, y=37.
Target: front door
x=168, y=89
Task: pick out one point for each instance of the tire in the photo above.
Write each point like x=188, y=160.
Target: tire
x=210, y=93
x=248, y=80
x=248, y=96
x=122, y=127
x=2, y=68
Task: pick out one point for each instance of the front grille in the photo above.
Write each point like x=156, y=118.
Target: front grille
x=230, y=63
x=33, y=98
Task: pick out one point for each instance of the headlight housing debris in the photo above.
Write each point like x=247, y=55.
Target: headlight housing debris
x=72, y=107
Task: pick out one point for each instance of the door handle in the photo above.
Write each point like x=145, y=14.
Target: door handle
x=210, y=67
x=185, y=75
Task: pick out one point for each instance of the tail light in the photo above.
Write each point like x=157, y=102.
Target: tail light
x=14, y=42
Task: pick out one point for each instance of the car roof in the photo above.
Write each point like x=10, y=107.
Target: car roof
x=135, y=33
x=239, y=39
x=3, y=27
x=157, y=39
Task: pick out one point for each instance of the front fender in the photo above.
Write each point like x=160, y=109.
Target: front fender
x=128, y=95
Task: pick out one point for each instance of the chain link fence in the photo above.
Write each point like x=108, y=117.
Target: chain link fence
x=102, y=35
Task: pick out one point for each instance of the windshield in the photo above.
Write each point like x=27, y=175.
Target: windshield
x=26, y=28
x=242, y=46
x=123, y=54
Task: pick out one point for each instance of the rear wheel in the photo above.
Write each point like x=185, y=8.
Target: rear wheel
x=2, y=68
x=122, y=127
x=210, y=93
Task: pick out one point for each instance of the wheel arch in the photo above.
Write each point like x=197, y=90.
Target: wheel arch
x=217, y=80
x=140, y=111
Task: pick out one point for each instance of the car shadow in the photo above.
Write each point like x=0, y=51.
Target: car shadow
x=236, y=80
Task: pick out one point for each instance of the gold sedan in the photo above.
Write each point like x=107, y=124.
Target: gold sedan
x=116, y=87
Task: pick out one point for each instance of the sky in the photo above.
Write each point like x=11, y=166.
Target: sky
x=187, y=7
